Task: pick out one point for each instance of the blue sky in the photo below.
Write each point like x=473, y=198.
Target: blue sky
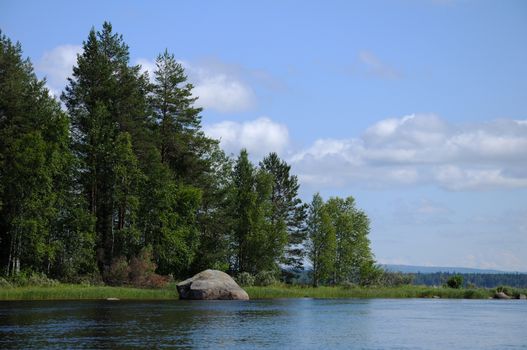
x=417, y=108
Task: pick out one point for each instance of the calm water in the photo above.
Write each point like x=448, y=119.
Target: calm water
x=292, y=323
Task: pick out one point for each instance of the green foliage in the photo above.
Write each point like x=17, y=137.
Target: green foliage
x=126, y=185
x=117, y=273
x=287, y=212
x=455, y=282
x=265, y=278
x=245, y=279
x=36, y=169
x=371, y=275
x=33, y=279
x=139, y=272
x=518, y=280
x=107, y=104
x=257, y=241
x=322, y=241
x=142, y=271
x=4, y=283
x=502, y=289
x=338, y=245
x=395, y=279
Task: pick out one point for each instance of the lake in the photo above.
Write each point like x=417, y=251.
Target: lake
x=287, y=323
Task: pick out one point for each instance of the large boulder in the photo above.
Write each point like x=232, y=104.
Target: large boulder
x=501, y=295
x=211, y=285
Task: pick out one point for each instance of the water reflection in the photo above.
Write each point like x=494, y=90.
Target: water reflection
x=293, y=323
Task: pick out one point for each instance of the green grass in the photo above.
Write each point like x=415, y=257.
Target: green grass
x=78, y=292
x=283, y=291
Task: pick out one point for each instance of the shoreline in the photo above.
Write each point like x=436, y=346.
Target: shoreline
x=110, y=293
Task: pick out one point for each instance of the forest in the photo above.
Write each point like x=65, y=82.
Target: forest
x=484, y=280
x=118, y=177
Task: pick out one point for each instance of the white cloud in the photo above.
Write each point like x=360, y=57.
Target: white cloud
x=421, y=148
x=375, y=67
x=218, y=85
x=259, y=136
x=148, y=66
x=456, y=178
x=223, y=93
x=57, y=65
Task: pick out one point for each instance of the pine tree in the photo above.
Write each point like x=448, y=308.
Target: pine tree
x=214, y=219
x=288, y=209
x=105, y=97
x=242, y=201
x=178, y=120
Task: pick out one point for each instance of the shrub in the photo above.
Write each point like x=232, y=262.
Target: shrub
x=118, y=272
x=26, y=278
x=265, y=278
x=36, y=279
x=396, y=279
x=502, y=289
x=455, y=281
x=142, y=271
x=4, y=283
x=142, y=267
x=89, y=279
x=370, y=274
x=348, y=285
x=155, y=281
x=474, y=294
x=245, y=279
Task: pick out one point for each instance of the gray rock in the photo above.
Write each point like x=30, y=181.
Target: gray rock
x=501, y=295
x=211, y=285
x=522, y=296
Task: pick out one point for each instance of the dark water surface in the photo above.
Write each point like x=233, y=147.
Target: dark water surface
x=291, y=323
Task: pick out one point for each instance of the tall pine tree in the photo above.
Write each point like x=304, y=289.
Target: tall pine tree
x=106, y=97
x=287, y=209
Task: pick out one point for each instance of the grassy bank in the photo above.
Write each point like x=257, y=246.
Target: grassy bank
x=78, y=292
x=272, y=292
x=81, y=292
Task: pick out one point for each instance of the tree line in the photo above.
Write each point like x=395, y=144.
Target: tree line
x=123, y=170
x=486, y=280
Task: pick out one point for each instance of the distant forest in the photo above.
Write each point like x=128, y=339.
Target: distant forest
x=517, y=280
x=118, y=178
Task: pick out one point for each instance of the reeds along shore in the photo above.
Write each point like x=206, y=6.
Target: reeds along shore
x=83, y=292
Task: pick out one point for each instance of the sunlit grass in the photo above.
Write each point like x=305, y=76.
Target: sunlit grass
x=284, y=291
x=84, y=292
x=78, y=292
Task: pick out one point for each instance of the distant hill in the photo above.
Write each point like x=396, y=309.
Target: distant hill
x=435, y=269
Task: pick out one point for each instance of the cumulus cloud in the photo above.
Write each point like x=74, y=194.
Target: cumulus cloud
x=218, y=86
x=223, y=93
x=57, y=65
x=422, y=148
x=259, y=136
